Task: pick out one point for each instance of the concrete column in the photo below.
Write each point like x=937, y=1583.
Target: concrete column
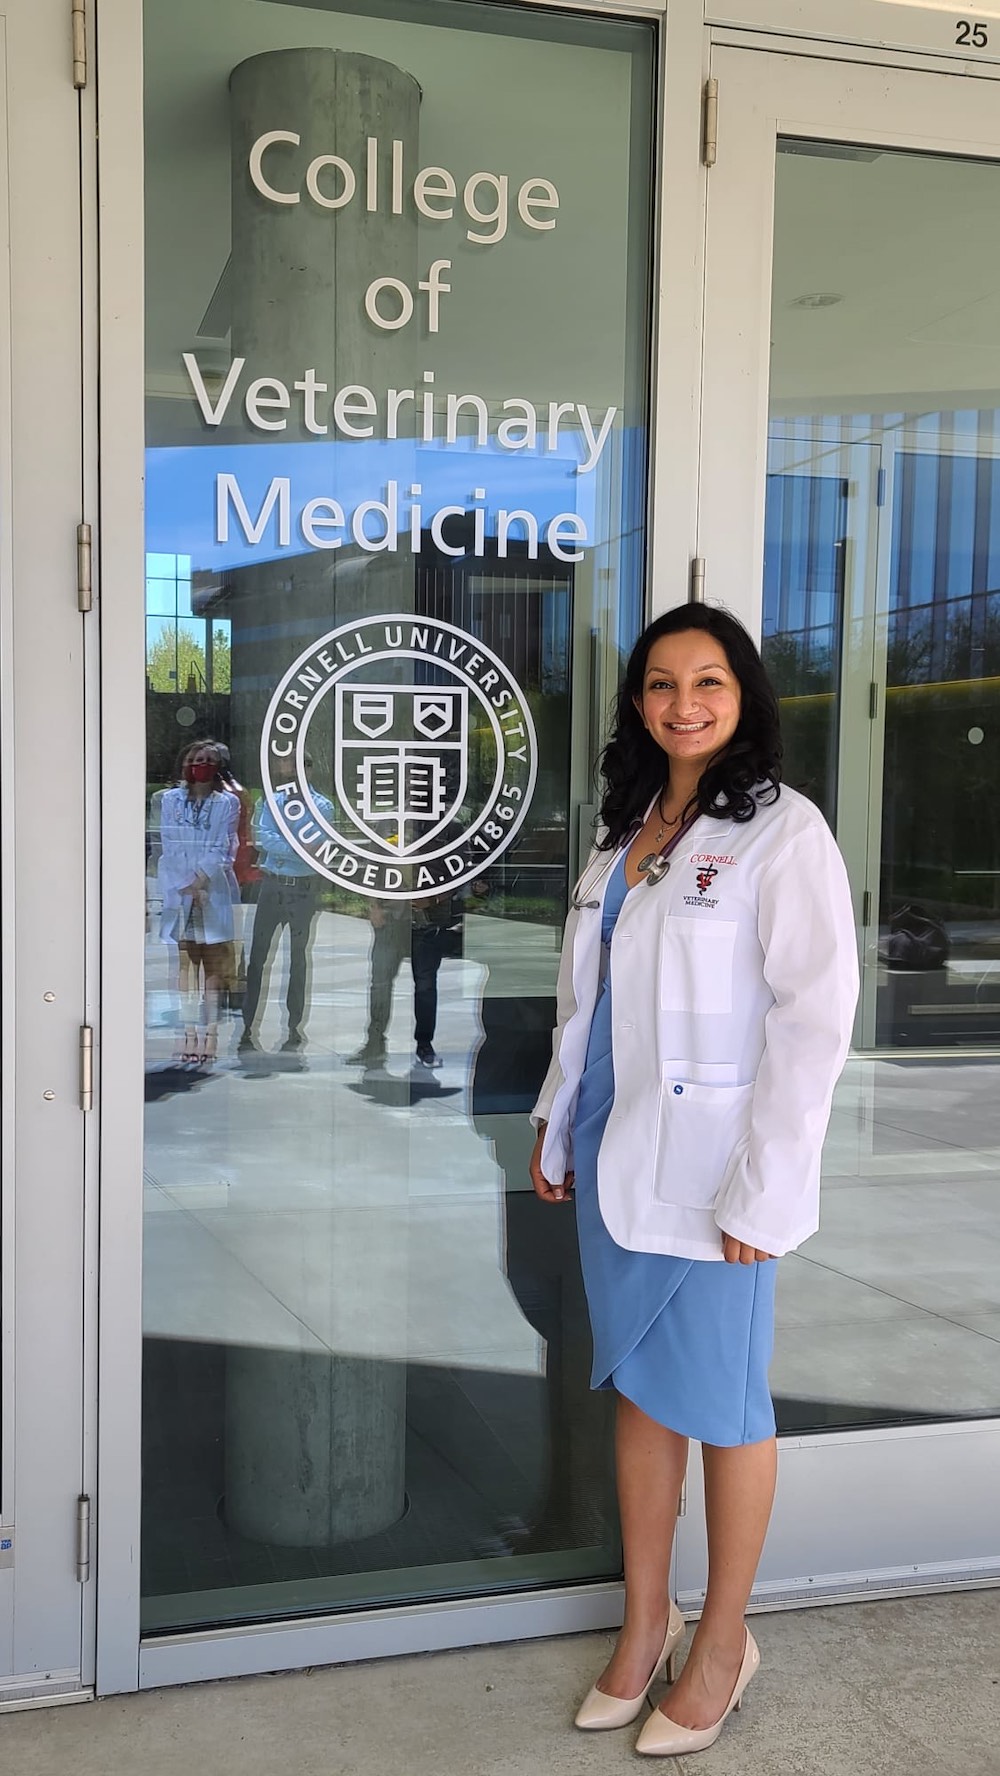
x=298, y=277
x=314, y=1444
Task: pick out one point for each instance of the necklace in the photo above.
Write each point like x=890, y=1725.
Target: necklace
x=664, y=822
x=652, y=864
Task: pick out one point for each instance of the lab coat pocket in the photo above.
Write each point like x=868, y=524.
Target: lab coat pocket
x=699, y=1129
x=696, y=965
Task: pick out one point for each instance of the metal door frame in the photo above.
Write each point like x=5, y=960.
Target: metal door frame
x=47, y=659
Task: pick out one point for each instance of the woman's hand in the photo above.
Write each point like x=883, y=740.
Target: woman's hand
x=550, y=1193
x=735, y=1252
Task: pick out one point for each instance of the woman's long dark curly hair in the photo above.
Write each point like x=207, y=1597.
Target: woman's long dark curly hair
x=635, y=768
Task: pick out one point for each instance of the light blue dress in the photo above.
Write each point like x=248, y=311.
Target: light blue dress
x=688, y=1341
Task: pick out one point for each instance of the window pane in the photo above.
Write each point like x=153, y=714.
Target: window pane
x=401, y=477
x=882, y=626
x=161, y=598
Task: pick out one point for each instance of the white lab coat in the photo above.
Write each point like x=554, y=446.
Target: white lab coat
x=733, y=1000
x=189, y=850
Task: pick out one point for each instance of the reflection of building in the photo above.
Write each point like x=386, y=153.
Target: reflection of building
x=520, y=608
x=935, y=692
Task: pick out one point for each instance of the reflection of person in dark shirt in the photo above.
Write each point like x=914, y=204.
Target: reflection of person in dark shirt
x=423, y=931
x=427, y=931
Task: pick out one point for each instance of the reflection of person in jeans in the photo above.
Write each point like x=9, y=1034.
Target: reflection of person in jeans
x=420, y=932
x=426, y=931
x=287, y=897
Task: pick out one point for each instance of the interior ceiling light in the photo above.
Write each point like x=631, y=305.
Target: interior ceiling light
x=817, y=299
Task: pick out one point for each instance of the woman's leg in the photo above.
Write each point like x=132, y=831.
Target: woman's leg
x=651, y=1462
x=215, y=979
x=739, y=1493
x=187, y=991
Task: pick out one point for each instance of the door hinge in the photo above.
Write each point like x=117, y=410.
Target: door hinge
x=84, y=568
x=710, y=123
x=696, y=589
x=82, y=1539
x=880, y=488
x=79, y=27
x=872, y=700
x=86, y=1067
x=866, y=908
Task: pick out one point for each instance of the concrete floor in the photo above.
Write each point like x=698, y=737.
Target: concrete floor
x=879, y=1689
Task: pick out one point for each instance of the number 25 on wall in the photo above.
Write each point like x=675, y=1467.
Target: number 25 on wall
x=967, y=33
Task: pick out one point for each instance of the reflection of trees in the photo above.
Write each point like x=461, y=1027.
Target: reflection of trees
x=928, y=644
x=941, y=835
x=176, y=661
x=550, y=715
x=800, y=665
x=803, y=670
x=944, y=642
x=909, y=655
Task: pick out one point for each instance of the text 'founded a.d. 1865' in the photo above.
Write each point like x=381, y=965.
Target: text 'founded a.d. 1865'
x=398, y=757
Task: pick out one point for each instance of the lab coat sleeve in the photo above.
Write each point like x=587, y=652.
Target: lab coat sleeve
x=770, y=1196
x=565, y=1007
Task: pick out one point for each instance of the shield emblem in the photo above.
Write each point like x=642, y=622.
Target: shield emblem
x=372, y=713
x=401, y=760
x=432, y=714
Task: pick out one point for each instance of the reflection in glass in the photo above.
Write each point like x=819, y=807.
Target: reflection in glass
x=805, y=543
x=881, y=628
x=407, y=559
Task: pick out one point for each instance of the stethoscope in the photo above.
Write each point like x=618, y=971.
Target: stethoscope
x=653, y=868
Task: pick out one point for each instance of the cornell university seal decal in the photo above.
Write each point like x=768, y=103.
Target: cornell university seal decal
x=433, y=753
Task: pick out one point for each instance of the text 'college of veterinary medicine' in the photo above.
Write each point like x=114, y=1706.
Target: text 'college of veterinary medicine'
x=394, y=518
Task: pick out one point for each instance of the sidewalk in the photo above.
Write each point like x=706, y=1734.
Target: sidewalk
x=881, y=1689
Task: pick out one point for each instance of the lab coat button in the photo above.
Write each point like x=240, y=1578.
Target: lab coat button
x=678, y=1091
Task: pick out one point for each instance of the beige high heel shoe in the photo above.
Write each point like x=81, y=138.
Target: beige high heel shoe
x=598, y=1712
x=662, y=1737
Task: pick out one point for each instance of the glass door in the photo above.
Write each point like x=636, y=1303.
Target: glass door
x=868, y=272
x=396, y=347
x=46, y=1346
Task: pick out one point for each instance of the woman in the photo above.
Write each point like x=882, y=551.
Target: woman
x=197, y=825
x=705, y=1004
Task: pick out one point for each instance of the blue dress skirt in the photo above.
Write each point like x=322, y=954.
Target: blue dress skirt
x=687, y=1340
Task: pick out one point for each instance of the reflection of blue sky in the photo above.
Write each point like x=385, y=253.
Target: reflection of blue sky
x=181, y=490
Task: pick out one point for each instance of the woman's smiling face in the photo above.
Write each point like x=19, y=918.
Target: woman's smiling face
x=690, y=701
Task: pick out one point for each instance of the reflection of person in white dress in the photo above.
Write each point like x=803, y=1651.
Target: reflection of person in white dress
x=197, y=822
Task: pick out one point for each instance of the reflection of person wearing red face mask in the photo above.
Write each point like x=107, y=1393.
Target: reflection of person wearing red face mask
x=197, y=821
